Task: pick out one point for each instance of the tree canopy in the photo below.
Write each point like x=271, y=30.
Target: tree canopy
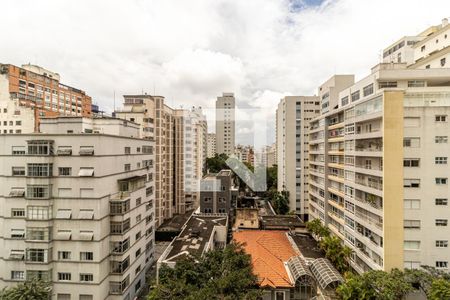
x=218, y=274
x=29, y=290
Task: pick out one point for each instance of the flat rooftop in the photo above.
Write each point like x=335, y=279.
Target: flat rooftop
x=176, y=222
x=194, y=236
x=307, y=246
x=282, y=221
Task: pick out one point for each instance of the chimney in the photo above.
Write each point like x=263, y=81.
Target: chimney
x=444, y=22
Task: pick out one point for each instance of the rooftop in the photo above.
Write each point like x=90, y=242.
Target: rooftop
x=195, y=236
x=282, y=221
x=269, y=251
x=307, y=246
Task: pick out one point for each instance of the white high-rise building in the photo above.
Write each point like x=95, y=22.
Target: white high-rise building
x=225, y=124
x=379, y=160
x=292, y=126
x=77, y=207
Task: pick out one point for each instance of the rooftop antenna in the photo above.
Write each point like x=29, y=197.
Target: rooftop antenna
x=114, y=108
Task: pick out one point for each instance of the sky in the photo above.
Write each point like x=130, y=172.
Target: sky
x=190, y=51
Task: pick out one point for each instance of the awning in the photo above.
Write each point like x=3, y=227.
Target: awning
x=86, y=151
x=87, y=214
x=17, y=192
x=64, y=235
x=17, y=233
x=86, y=235
x=86, y=172
x=325, y=273
x=64, y=214
x=17, y=254
x=64, y=151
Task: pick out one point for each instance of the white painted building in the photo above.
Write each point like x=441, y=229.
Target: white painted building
x=211, y=147
x=77, y=208
x=225, y=124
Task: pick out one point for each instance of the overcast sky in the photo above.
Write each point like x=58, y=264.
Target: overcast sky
x=190, y=51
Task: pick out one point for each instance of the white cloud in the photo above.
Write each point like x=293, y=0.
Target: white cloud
x=191, y=51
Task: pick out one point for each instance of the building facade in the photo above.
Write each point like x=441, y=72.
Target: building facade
x=211, y=146
x=225, y=124
x=159, y=122
x=292, y=129
x=30, y=92
x=77, y=207
x=218, y=193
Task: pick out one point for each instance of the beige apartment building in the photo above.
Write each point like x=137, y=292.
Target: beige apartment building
x=180, y=140
x=292, y=128
x=211, y=146
x=77, y=208
x=378, y=163
x=225, y=124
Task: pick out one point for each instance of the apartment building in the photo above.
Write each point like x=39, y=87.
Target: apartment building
x=77, y=207
x=157, y=123
x=191, y=154
x=30, y=92
x=292, y=129
x=211, y=146
x=245, y=153
x=218, y=193
x=378, y=171
x=225, y=124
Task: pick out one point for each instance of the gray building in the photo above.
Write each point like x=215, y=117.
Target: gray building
x=217, y=192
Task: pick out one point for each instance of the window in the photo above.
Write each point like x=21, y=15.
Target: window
x=138, y=201
x=86, y=256
x=411, y=203
x=18, y=171
x=411, y=245
x=40, y=147
x=127, y=167
x=441, y=264
x=344, y=100
x=17, y=212
x=441, y=139
x=441, y=244
x=416, y=83
x=64, y=276
x=355, y=96
x=411, y=162
x=38, y=212
x=40, y=170
x=441, y=118
x=440, y=180
x=279, y=296
x=64, y=255
x=18, y=150
x=37, y=255
x=221, y=200
x=411, y=224
x=411, y=183
x=207, y=199
x=63, y=214
x=127, y=150
x=17, y=275
x=86, y=277
x=17, y=233
x=387, y=84
x=64, y=151
x=440, y=160
x=411, y=264
x=441, y=222
x=368, y=90
x=38, y=191
x=65, y=171
x=37, y=233
x=411, y=142
x=441, y=201
x=442, y=62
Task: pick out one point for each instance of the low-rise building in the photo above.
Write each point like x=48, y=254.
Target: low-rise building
x=201, y=233
x=218, y=192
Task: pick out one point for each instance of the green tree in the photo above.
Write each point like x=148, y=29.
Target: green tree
x=317, y=229
x=29, y=290
x=271, y=177
x=337, y=253
x=219, y=274
x=217, y=163
x=280, y=202
x=440, y=289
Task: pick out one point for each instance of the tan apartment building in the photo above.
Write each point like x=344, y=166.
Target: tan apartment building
x=77, y=208
x=30, y=92
x=211, y=146
x=292, y=128
x=378, y=163
x=225, y=124
x=179, y=137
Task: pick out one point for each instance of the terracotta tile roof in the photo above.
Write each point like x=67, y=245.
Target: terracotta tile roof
x=269, y=251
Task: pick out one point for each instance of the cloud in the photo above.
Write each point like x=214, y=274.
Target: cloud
x=192, y=51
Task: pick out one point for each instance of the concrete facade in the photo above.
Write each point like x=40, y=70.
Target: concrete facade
x=225, y=124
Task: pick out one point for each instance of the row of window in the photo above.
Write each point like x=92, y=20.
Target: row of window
x=415, y=183
x=415, y=245
x=415, y=203
x=415, y=162
x=415, y=224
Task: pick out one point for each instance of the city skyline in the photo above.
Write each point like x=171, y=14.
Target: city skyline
x=298, y=50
